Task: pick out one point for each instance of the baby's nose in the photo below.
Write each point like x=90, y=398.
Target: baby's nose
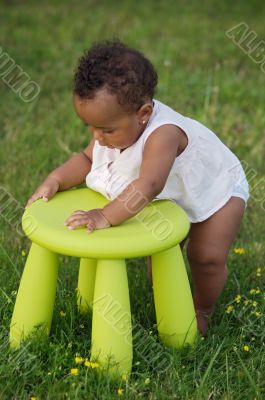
x=97, y=134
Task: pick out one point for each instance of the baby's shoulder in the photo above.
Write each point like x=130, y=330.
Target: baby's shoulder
x=166, y=137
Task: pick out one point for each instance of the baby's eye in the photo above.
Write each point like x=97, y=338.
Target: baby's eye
x=108, y=131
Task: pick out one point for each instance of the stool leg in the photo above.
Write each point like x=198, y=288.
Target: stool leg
x=111, y=323
x=36, y=294
x=86, y=283
x=175, y=314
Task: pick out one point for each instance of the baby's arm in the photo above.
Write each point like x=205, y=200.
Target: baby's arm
x=69, y=174
x=74, y=171
x=159, y=154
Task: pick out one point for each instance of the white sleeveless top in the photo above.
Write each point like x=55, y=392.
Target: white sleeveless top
x=201, y=180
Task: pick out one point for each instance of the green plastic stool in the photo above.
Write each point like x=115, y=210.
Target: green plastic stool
x=102, y=284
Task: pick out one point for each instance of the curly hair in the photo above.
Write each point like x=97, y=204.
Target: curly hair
x=123, y=71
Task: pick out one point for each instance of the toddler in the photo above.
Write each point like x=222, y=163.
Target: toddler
x=143, y=150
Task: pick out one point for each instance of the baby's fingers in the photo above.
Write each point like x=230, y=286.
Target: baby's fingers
x=75, y=221
x=91, y=226
x=32, y=199
x=35, y=197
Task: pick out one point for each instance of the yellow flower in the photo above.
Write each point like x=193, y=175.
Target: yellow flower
x=252, y=291
x=238, y=298
x=33, y=398
x=239, y=250
x=258, y=313
x=23, y=253
x=252, y=339
x=229, y=309
x=254, y=304
x=120, y=391
x=258, y=272
x=246, y=348
x=74, y=371
x=246, y=302
x=62, y=314
x=94, y=364
x=78, y=360
x=257, y=291
x=147, y=381
x=87, y=363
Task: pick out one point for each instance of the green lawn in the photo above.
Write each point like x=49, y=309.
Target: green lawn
x=202, y=74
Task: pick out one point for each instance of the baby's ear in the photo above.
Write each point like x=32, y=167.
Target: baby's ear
x=146, y=111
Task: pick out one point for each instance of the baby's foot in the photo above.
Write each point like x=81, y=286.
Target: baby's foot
x=203, y=318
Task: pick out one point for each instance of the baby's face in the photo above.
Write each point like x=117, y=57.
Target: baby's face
x=108, y=122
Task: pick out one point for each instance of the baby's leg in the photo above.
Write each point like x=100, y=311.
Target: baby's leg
x=207, y=252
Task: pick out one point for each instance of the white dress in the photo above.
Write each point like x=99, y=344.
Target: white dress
x=202, y=179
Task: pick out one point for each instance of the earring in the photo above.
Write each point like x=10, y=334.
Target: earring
x=143, y=122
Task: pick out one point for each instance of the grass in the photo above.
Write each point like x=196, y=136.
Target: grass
x=202, y=74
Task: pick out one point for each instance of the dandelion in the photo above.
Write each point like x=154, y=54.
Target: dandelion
x=252, y=291
x=94, y=364
x=229, y=309
x=257, y=291
x=239, y=250
x=78, y=360
x=62, y=314
x=33, y=398
x=87, y=364
x=147, y=381
x=246, y=348
x=238, y=298
x=74, y=371
x=258, y=313
x=258, y=272
x=254, y=304
x=23, y=253
x=246, y=302
x=120, y=391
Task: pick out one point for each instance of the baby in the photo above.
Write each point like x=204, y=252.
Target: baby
x=142, y=147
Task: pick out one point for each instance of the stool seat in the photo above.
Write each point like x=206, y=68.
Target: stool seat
x=157, y=227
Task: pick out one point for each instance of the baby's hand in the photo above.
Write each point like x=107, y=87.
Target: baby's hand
x=93, y=219
x=45, y=191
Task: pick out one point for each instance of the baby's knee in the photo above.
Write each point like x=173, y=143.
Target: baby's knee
x=205, y=258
